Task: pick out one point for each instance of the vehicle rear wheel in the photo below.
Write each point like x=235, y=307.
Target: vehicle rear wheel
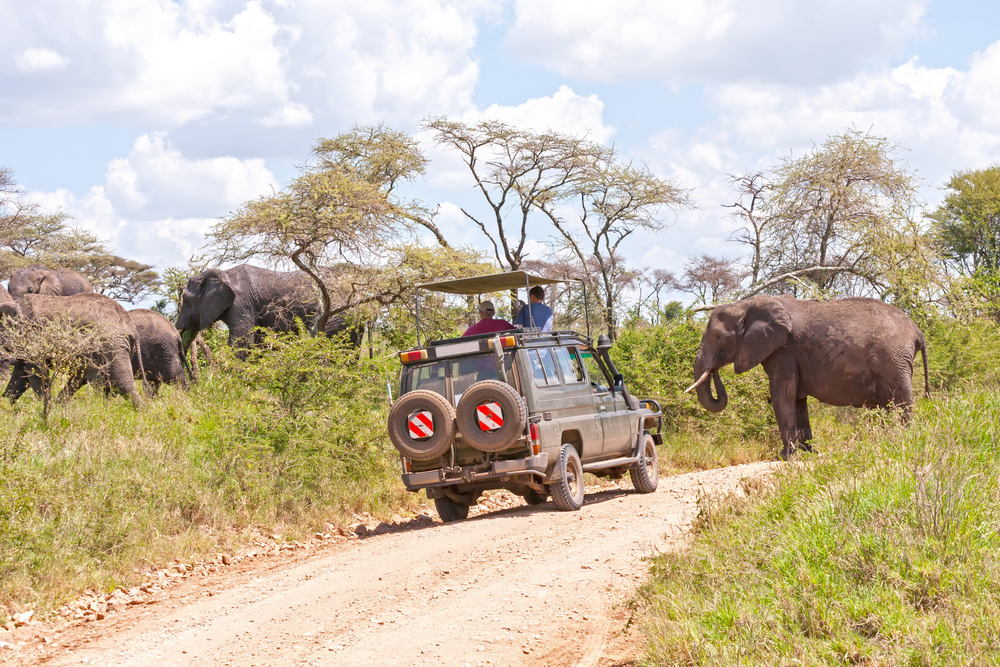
x=450, y=510
x=533, y=497
x=645, y=473
x=422, y=425
x=491, y=416
x=568, y=492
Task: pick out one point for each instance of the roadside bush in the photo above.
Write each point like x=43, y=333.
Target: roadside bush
x=290, y=441
x=882, y=552
x=960, y=354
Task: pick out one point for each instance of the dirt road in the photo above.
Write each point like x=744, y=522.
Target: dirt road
x=516, y=586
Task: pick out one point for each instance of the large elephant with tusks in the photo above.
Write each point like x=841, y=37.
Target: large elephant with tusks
x=246, y=297
x=851, y=352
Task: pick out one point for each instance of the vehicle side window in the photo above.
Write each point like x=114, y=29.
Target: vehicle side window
x=570, y=365
x=596, y=371
x=549, y=365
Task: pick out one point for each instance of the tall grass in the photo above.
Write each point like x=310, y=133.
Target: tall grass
x=289, y=441
x=883, y=551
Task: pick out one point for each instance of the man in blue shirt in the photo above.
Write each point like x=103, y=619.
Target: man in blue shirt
x=540, y=314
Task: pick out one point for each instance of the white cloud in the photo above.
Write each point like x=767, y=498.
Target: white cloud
x=720, y=40
x=40, y=60
x=156, y=205
x=156, y=181
x=279, y=64
x=290, y=115
x=564, y=111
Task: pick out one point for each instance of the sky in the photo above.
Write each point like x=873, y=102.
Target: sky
x=147, y=120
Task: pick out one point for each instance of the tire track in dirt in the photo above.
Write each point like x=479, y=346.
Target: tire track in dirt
x=519, y=586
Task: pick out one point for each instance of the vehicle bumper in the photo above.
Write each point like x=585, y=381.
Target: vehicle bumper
x=497, y=470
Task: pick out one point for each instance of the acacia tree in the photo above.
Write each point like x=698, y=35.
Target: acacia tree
x=339, y=221
x=711, y=280
x=967, y=232
x=752, y=190
x=612, y=200
x=514, y=170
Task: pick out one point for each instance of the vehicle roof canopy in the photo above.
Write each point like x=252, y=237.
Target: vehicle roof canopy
x=492, y=283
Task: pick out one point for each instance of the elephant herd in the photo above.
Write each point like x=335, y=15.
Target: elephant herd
x=145, y=343
x=847, y=352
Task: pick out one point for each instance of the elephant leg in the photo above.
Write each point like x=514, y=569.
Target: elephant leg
x=120, y=377
x=782, y=376
x=802, y=419
x=18, y=382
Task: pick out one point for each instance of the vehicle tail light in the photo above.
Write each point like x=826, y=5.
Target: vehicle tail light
x=406, y=465
x=505, y=341
x=415, y=355
x=535, y=435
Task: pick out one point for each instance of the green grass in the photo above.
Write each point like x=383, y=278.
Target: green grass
x=102, y=492
x=881, y=550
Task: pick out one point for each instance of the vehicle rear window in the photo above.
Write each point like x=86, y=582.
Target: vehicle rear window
x=452, y=377
x=570, y=364
x=543, y=367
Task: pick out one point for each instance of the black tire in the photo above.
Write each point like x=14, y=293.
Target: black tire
x=568, y=492
x=443, y=423
x=449, y=510
x=645, y=473
x=533, y=497
x=515, y=415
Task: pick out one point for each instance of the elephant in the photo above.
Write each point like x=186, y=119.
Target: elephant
x=39, y=279
x=162, y=358
x=8, y=306
x=112, y=363
x=246, y=297
x=848, y=352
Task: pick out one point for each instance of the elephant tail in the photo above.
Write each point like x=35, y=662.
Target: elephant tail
x=923, y=353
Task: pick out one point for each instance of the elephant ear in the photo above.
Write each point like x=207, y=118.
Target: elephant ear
x=50, y=284
x=766, y=326
x=216, y=297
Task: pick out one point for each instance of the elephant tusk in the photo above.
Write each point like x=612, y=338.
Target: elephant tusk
x=704, y=376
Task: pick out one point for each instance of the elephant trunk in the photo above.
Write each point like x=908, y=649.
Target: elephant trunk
x=187, y=337
x=711, y=403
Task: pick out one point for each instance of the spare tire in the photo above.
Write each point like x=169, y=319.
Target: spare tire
x=491, y=416
x=422, y=425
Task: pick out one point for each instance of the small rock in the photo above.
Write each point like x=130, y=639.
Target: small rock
x=226, y=559
x=382, y=528
x=361, y=530
x=425, y=518
x=23, y=618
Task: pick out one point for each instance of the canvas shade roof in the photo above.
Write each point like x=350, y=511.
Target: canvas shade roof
x=493, y=283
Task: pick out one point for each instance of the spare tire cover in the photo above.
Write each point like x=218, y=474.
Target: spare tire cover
x=491, y=416
x=422, y=425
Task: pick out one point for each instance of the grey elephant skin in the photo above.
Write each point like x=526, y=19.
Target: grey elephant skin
x=849, y=352
x=112, y=364
x=8, y=306
x=43, y=280
x=162, y=356
x=246, y=297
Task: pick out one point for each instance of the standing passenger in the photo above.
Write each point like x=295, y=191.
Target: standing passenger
x=540, y=314
x=486, y=323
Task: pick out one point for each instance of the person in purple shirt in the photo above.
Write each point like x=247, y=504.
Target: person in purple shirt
x=486, y=323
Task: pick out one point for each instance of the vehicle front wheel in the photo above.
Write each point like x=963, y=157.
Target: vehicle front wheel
x=645, y=472
x=449, y=510
x=567, y=493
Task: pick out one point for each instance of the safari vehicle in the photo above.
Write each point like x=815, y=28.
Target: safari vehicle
x=522, y=410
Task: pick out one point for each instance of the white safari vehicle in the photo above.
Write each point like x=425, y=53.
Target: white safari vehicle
x=521, y=410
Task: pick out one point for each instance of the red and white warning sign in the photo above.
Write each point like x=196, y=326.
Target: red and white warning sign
x=490, y=416
x=421, y=425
